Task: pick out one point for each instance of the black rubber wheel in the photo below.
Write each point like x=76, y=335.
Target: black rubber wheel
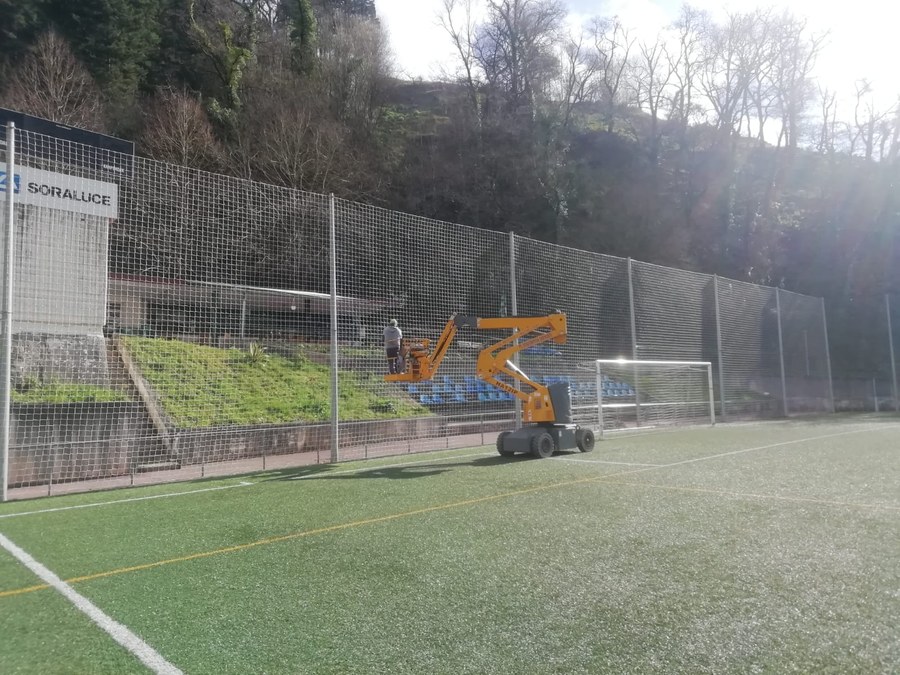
x=542, y=445
x=500, y=439
x=584, y=439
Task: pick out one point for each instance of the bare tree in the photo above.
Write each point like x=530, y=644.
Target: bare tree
x=516, y=50
x=867, y=120
x=894, y=148
x=827, y=132
x=577, y=76
x=796, y=58
x=458, y=22
x=354, y=62
x=177, y=131
x=52, y=83
x=653, y=73
x=685, y=63
x=290, y=135
x=613, y=45
x=733, y=53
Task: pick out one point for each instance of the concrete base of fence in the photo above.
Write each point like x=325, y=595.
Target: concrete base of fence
x=67, y=442
x=203, y=446
x=60, y=442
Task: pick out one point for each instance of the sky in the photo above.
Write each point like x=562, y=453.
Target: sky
x=862, y=34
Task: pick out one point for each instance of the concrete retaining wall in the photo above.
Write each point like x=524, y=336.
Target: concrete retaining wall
x=202, y=446
x=57, y=443
x=76, y=441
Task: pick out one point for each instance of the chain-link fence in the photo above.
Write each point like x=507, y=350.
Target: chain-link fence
x=866, y=378
x=168, y=323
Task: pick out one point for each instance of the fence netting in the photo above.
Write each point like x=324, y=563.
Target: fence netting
x=170, y=323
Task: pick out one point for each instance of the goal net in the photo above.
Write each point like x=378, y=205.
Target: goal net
x=646, y=394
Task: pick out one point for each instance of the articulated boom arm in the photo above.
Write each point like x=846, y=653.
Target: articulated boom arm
x=497, y=358
x=422, y=364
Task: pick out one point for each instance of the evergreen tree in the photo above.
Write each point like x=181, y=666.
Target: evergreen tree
x=20, y=24
x=303, y=33
x=116, y=39
x=364, y=8
x=178, y=60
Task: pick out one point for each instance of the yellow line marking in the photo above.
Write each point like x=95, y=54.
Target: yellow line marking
x=23, y=591
x=467, y=502
x=304, y=533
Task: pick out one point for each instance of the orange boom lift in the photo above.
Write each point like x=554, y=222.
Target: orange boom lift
x=546, y=409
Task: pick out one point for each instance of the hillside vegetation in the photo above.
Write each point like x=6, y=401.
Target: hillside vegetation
x=207, y=387
x=710, y=147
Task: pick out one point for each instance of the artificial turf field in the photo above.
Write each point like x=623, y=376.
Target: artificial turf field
x=737, y=549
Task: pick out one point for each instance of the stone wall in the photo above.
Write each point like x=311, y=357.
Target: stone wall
x=44, y=358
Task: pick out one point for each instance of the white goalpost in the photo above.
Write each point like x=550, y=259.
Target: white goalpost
x=636, y=394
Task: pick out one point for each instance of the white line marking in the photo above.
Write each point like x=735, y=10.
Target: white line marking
x=601, y=461
x=118, y=632
x=738, y=452
x=124, y=501
x=390, y=466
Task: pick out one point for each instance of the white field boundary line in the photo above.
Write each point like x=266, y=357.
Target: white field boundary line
x=117, y=631
x=91, y=505
x=226, y=487
x=602, y=461
x=739, y=452
x=390, y=466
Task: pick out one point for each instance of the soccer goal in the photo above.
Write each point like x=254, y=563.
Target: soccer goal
x=641, y=394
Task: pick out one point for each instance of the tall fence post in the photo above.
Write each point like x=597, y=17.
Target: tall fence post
x=514, y=309
x=827, y=358
x=719, y=357
x=6, y=365
x=781, y=352
x=887, y=309
x=332, y=256
x=634, y=344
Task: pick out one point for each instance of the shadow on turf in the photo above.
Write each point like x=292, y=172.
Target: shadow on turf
x=336, y=471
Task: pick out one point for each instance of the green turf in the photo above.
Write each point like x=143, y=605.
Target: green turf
x=775, y=552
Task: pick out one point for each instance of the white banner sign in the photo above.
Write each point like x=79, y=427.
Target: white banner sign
x=60, y=191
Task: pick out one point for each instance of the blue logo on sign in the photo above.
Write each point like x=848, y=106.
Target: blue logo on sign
x=16, y=180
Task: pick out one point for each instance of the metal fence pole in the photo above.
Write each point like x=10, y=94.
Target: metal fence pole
x=599, y=400
x=6, y=365
x=827, y=358
x=887, y=307
x=781, y=352
x=634, y=345
x=719, y=344
x=514, y=309
x=332, y=255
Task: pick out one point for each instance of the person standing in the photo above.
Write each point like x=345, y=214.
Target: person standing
x=392, y=340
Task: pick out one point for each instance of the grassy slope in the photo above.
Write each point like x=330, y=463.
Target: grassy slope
x=205, y=386
x=60, y=392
